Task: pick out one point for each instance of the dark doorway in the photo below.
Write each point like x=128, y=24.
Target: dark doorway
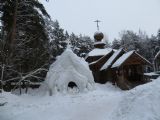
x=72, y=84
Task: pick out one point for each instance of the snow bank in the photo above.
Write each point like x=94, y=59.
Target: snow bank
x=107, y=102
x=69, y=68
x=151, y=74
x=141, y=103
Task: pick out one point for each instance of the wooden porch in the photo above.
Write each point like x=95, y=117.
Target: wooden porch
x=129, y=76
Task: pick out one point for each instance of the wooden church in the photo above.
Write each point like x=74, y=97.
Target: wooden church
x=125, y=69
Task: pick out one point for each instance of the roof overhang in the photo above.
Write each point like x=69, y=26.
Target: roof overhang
x=145, y=61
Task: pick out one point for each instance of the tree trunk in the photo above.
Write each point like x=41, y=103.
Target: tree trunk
x=1, y=82
x=27, y=85
x=20, y=90
x=13, y=32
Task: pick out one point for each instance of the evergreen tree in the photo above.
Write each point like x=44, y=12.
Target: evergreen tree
x=158, y=38
x=116, y=44
x=58, y=39
x=74, y=43
x=146, y=46
x=85, y=45
x=130, y=40
x=66, y=35
x=25, y=45
x=81, y=45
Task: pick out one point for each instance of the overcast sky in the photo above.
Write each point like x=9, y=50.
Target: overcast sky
x=116, y=15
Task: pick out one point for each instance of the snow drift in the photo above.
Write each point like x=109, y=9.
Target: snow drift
x=69, y=68
x=107, y=102
x=140, y=103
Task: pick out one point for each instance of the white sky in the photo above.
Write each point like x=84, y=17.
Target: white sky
x=116, y=15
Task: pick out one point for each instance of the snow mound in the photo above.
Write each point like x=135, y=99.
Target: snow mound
x=69, y=68
x=140, y=103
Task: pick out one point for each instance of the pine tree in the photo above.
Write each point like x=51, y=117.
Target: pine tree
x=130, y=40
x=66, y=35
x=25, y=39
x=116, y=44
x=85, y=45
x=158, y=38
x=57, y=38
x=81, y=45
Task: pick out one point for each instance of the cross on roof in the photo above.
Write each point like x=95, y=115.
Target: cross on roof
x=97, y=21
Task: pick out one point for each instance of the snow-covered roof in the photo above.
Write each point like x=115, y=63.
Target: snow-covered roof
x=94, y=62
x=97, y=32
x=99, y=42
x=97, y=60
x=99, y=52
x=122, y=59
x=125, y=56
x=144, y=58
x=111, y=59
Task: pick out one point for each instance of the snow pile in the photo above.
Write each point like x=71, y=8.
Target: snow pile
x=141, y=103
x=69, y=68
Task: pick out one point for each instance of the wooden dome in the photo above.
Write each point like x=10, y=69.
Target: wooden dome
x=98, y=36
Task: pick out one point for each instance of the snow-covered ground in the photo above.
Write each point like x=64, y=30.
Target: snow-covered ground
x=106, y=102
